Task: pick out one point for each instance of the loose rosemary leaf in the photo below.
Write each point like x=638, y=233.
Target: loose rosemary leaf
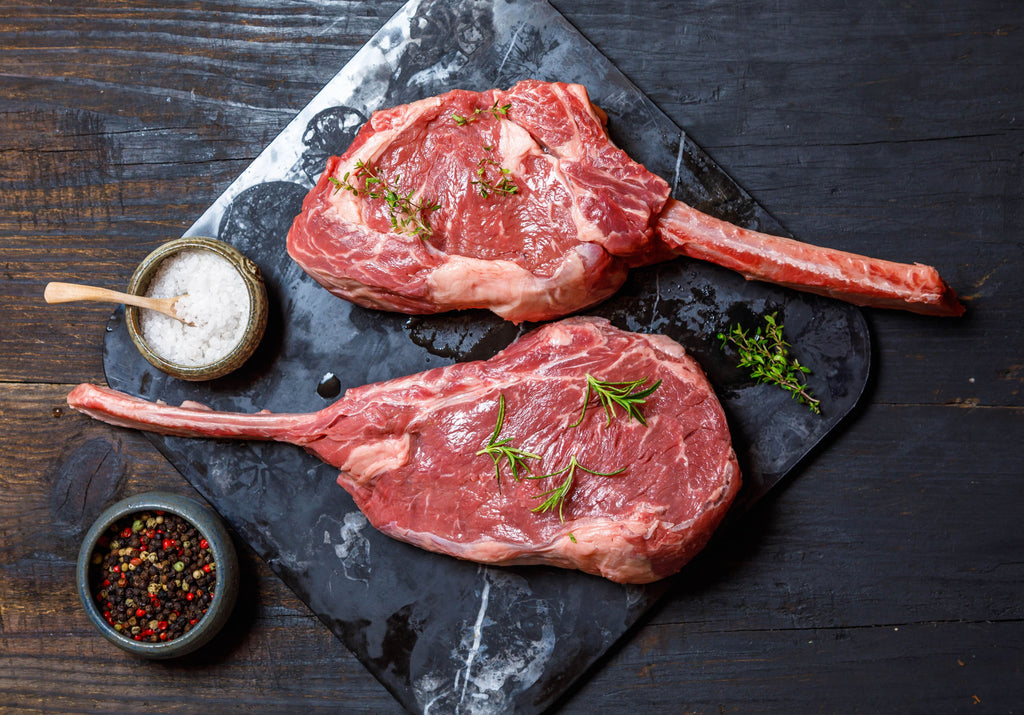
x=555, y=497
x=499, y=449
x=622, y=394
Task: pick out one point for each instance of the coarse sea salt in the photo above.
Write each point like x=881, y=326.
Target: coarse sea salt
x=216, y=302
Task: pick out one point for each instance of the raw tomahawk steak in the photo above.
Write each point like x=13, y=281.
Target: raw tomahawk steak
x=517, y=201
x=410, y=455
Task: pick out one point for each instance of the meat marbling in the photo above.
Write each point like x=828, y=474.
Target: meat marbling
x=408, y=452
x=581, y=215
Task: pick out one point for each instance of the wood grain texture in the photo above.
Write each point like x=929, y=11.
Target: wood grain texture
x=884, y=576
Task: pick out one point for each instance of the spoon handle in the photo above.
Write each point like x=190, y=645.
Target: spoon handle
x=70, y=292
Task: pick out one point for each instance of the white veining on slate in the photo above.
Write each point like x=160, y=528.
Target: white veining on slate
x=679, y=160
x=485, y=593
x=657, y=301
x=634, y=595
x=354, y=549
x=511, y=44
x=500, y=653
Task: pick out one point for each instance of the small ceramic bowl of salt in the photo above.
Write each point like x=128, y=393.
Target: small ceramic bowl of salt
x=224, y=304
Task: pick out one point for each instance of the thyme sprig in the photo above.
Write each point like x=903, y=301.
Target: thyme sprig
x=499, y=449
x=485, y=184
x=767, y=356
x=495, y=111
x=622, y=394
x=555, y=497
x=408, y=215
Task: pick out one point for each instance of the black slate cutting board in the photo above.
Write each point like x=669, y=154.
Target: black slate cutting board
x=444, y=635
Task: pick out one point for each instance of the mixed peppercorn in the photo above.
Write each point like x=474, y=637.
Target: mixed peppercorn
x=153, y=576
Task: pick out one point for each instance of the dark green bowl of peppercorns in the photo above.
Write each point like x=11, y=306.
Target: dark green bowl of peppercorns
x=158, y=574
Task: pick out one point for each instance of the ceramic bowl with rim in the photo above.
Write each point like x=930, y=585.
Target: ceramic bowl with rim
x=255, y=325
x=224, y=555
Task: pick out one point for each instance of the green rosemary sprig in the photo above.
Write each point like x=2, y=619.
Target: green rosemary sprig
x=499, y=449
x=555, y=497
x=767, y=356
x=485, y=183
x=495, y=111
x=407, y=215
x=622, y=394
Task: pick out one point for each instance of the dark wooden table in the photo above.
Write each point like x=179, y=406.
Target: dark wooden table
x=886, y=574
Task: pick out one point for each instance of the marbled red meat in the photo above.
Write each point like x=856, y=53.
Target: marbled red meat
x=583, y=212
x=408, y=452
x=549, y=249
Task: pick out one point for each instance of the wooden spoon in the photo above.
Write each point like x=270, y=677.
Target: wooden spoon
x=70, y=292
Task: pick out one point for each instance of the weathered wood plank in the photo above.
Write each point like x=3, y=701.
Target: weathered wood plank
x=886, y=129
x=926, y=667
x=899, y=533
